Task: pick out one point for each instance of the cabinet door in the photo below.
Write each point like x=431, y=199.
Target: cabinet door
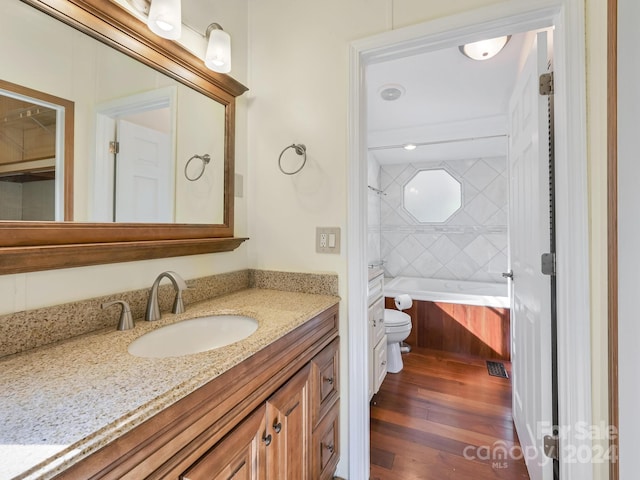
x=288, y=423
x=378, y=321
x=380, y=363
x=241, y=455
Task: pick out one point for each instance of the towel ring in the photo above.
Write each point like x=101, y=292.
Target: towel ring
x=205, y=160
x=300, y=150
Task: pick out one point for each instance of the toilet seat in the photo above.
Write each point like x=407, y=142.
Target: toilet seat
x=396, y=318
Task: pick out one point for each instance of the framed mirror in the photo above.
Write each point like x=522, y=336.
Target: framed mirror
x=124, y=51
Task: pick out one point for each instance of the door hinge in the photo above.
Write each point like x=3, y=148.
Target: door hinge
x=546, y=84
x=548, y=263
x=114, y=147
x=551, y=445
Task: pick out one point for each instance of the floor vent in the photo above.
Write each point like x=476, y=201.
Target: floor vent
x=497, y=369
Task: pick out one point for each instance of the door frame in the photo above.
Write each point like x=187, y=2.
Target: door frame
x=574, y=325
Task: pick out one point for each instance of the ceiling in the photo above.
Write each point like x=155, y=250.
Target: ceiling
x=447, y=97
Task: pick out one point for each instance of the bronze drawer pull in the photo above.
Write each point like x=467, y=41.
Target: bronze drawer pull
x=277, y=427
x=329, y=380
x=329, y=447
x=267, y=439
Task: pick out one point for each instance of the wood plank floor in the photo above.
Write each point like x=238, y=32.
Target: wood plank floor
x=428, y=421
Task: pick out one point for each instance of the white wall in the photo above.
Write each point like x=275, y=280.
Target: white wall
x=629, y=236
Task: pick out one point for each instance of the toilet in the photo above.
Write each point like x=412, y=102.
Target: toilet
x=398, y=328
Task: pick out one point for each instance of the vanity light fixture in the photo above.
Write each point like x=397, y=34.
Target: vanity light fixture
x=484, y=49
x=165, y=18
x=218, y=56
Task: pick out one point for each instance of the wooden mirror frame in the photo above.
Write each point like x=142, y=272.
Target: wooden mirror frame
x=33, y=246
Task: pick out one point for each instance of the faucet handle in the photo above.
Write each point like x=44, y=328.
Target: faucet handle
x=126, y=320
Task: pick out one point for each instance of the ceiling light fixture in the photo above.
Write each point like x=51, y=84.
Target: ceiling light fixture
x=391, y=92
x=484, y=49
x=409, y=146
x=165, y=18
x=218, y=56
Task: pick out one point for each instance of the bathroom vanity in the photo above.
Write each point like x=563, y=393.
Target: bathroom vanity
x=377, y=337
x=264, y=407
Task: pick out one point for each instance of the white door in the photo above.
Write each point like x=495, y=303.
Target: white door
x=144, y=177
x=529, y=238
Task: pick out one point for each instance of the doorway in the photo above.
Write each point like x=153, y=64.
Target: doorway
x=573, y=337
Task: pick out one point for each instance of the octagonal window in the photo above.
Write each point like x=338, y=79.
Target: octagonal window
x=432, y=196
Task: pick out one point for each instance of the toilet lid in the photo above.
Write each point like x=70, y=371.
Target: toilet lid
x=396, y=317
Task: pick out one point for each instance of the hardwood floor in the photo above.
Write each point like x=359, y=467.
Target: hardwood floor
x=443, y=417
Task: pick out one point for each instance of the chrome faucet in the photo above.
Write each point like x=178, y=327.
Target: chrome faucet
x=126, y=320
x=153, y=309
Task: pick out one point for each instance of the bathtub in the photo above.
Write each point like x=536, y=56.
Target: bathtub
x=449, y=291
x=462, y=317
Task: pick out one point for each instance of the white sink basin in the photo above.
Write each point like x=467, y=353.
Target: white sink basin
x=193, y=336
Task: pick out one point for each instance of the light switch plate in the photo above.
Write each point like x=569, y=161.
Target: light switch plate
x=331, y=240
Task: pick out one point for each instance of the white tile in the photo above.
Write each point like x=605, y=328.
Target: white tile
x=445, y=274
x=462, y=266
x=498, y=264
x=499, y=164
x=480, y=175
x=410, y=271
x=461, y=218
x=427, y=265
x=469, y=192
x=460, y=166
x=481, y=209
x=444, y=250
x=499, y=240
x=385, y=179
x=392, y=171
x=481, y=250
x=498, y=218
x=395, y=263
x=393, y=238
x=496, y=191
x=406, y=174
x=410, y=248
x=426, y=239
x=462, y=239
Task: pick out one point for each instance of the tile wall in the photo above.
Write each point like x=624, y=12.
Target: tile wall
x=470, y=245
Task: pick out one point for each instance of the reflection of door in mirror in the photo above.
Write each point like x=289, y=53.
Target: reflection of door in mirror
x=134, y=164
x=32, y=154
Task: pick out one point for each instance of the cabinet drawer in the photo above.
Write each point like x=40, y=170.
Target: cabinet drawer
x=325, y=445
x=375, y=289
x=325, y=381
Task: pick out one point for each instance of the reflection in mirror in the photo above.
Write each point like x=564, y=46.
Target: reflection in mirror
x=32, y=153
x=432, y=196
x=114, y=95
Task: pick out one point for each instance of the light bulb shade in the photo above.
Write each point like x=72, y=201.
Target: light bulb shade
x=218, y=56
x=484, y=49
x=165, y=18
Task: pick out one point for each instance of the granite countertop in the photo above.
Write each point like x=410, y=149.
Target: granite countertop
x=62, y=402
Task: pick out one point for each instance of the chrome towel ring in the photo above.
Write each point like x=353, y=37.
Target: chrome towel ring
x=205, y=160
x=300, y=149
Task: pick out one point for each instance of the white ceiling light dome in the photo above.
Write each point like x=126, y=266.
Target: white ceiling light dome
x=391, y=92
x=484, y=49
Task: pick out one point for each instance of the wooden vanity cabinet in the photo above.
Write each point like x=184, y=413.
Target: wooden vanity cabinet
x=273, y=443
x=294, y=436
x=274, y=416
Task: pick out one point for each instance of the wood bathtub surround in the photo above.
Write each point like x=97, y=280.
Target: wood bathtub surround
x=464, y=329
